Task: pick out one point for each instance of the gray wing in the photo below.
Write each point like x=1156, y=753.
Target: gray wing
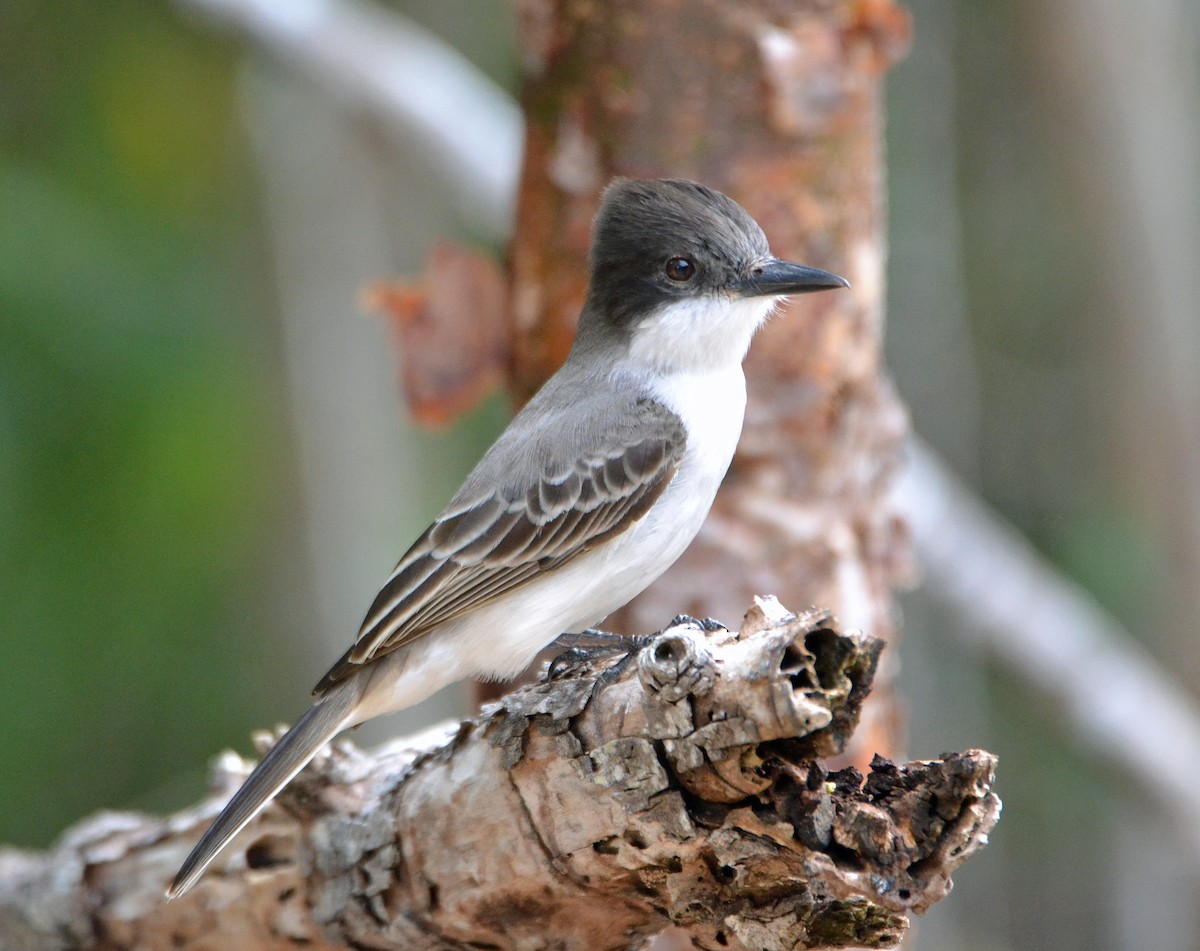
x=575, y=496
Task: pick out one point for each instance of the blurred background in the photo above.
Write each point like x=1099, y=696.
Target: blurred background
x=205, y=470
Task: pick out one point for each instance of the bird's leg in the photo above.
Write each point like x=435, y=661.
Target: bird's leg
x=589, y=637
x=565, y=660
x=612, y=673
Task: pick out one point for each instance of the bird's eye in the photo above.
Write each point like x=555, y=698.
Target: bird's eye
x=680, y=269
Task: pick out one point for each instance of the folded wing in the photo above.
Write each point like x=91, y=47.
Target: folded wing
x=484, y=547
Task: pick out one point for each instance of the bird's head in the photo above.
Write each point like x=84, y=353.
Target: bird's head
x=684, y=275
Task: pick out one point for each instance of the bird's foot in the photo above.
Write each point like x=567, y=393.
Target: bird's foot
x=629, y=647
x=612, y=673
x=565, y=660
x=590, y=645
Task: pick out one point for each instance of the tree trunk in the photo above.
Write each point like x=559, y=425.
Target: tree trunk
x=777, y=104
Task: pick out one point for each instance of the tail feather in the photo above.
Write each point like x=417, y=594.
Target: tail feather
x=324, y=720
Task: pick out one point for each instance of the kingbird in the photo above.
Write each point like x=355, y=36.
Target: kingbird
x=595, y=488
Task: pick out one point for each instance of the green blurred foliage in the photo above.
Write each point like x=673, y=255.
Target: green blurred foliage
x=137, y=403
x=147, y=495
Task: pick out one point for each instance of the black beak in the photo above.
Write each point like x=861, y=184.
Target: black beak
x=778, y=278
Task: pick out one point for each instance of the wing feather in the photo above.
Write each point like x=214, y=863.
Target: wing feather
x=484, y=548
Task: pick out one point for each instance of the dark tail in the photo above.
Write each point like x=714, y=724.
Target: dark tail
x=324, y=720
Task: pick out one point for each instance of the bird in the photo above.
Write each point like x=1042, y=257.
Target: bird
x=592, y=491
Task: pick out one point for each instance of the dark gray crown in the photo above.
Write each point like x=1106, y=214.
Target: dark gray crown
x=642, y=224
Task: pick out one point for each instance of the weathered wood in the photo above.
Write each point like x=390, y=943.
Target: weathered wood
x=571, y=814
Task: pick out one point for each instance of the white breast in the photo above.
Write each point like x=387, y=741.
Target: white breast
x=712, y=406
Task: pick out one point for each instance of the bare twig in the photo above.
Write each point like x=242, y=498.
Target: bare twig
x=1128, y=87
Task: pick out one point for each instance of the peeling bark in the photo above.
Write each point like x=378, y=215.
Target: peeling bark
x=451, y=329
x=574, y=813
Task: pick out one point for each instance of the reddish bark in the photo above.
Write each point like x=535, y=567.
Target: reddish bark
x=452, y=332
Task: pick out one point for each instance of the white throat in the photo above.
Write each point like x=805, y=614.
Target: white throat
x=700, y=334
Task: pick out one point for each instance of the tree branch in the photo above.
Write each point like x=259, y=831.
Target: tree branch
x=572, y=813
x=420, y=88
